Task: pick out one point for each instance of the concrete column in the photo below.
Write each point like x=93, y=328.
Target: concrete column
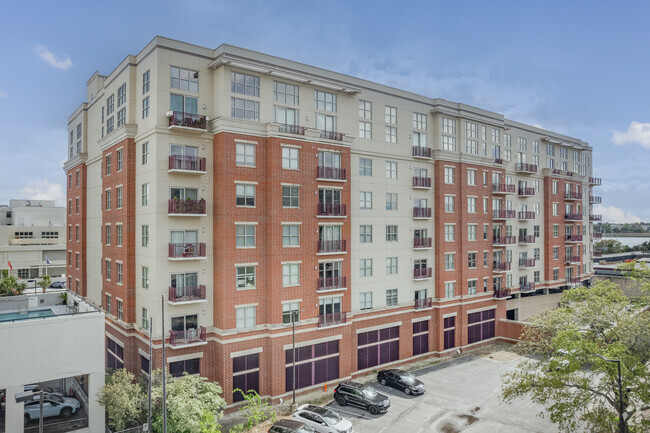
x=95, y=410
x=14, y=412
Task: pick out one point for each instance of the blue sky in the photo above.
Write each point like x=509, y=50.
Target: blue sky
x=576, y=67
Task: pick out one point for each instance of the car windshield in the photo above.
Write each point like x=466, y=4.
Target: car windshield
x=330, y=417
x=408, y=378
x=54, y=398
x=369, y=392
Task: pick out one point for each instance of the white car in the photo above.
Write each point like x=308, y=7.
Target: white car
x=53, y=405
x=322, y=420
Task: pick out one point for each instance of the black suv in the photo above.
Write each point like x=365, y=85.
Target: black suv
x=365, y=396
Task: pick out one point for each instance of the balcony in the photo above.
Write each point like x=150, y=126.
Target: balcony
x=526, y=263
x=421, y=212
x=594, y=199
x=498, y=161
x=526, y=215
x=572, y=217
x=331, y=173
x=192, y=164
x=177, y=207
x=187, y=251
x=332, y=283
x=573, y=259
x=292, y=129
x=422, y=152
x=503, y=214
x=526, y=239
x=422, y=273
x=500, y=266
x=572, y=195
x=423, y=303
x=187, y=336
x=597, y=235
x=187, y=294
x=331, y=246
x=556, y=171
x=422, y=243
x=331, y=135
x=502, y=293
x=331, y=319
x=527, y=287
x=595, y=217
x=573, y=238
x=526, y=192
x=504, y=240
x=329, y=209
x=573, y=280
x=187, y=120
x=421, y=182
x=502, y=188
x=523, y=167
x=597, y=254
x=595, y=181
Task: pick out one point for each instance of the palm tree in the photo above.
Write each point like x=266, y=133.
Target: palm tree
x=10, y=286
x=45, y=282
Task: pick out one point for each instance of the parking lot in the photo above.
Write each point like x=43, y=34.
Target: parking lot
x=462, y=396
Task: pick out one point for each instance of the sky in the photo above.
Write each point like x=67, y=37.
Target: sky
x=579, y=68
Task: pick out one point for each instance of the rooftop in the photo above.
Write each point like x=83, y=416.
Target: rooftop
x=43, y=306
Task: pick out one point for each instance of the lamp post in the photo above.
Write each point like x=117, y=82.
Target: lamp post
x=293, y=357
x=622, y=426
x=22, y=397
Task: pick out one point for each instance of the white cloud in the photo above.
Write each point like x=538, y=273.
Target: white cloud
x=44, y=190
x=614, y=214
x=3, y=94
x=63, y=62
x=636, y=133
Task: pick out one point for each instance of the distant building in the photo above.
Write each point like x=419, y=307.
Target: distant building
x=31, y=233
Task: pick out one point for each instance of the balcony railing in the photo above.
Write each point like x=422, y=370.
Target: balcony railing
x=423, y=303
x=502, y=188
x=526, y=263
x=331, y=283
x=573, y=280
x=331, y=246
x=598, y=254
x=421, y=182
x=187, y=336
x=187, y=163
x=595, y=199
x=422, y=152
x=526, y=215
x=292, y=129
x=331, y=319
x=331, y=135
x=187, y=251
x=329, y=209
x=572, y=195
x=334, y=173
x=595, y=217
x=595, y=181
x=597, y=235
x=525, y=168
x=504, y=240
x=573, y=238
x=188, y=120
x=501, y=266
x=421, y=212
x=526, y=192
x=573, y=259
x=422, y=242
x=498, y=161
x=573, y=217
x=184, y=294
x=527, y=287
x=420, y=273
x=186, y=207
x=501, y=214
x=526, y=239
x=556, y=171
x=502, y=293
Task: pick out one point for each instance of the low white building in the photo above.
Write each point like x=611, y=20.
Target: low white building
x=54, y=345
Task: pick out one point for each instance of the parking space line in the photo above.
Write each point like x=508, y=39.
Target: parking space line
x=358, y=415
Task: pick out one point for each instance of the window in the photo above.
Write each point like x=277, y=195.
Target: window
x=365, y=167
x=77, y=264
x=556, y=253
x=365, y=301
x=145, y=235
x=245, y=84
x=290, y=312
x=76, y=203
x=390, y=115
x=145, y=277
x=145, y=153
x=285, y=93
x=365, y=267
x=450, y=232
x=184, y=79
x=391, y=201
x=290, y=196
x=290, y=158
x=145, y=107
x=450, y=261
x=245, y=195
x=449, y=175
x=325, y=122
x=420, y=121
x=391, y=297
x=471, y=232
x=108, y=164
x=556, y=230
x=145, y=82
x=324, y=101
x=471, y=146
x=391, y=170
x=536, y=231
x=245, y=277
x=119, y=276
x=365, y=130
x=189, y=366
x=365, y=234
x=448, y=125
x=118, y=228
x=287, y=117
x=450, y=289
x=245, y=317
x=114, y=354
x=391, y=134
x=290, y=235
x=554, y=187
x=471, y=204
x=471, y=130
x=556, y=274
x=471, y=287
x=391, y=265
x=245, y=236
x=108, y=199
x=110, y=105
x=121, y=117
x=145, y=194
x=145, y=322
x=108, y=270
x=450, y=203
x=471, y=260
x=245, y=155
x=107, y=307
x=471, y=177
x=485, y=259
x=391, y=233
x=290, y=274
x=485, y=231
x=365, y=200
x=76, y=234
x=555, y=209
x=244, y=109
x=536, y=253
x=448, y=143
x=118, y=190
x=419, y=139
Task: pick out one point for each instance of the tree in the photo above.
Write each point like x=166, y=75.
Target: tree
x=122, y=398
x=609, y=246
x=9, y=286
x=45, y=283
x=565, y=374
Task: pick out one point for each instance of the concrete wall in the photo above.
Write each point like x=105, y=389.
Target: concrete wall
x=531, y=305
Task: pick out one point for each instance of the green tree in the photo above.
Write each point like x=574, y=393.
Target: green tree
x=609, y=246
x=122, y=398
x=255, y=409
x=9, y=286
x=45, y=283
x=564, y=373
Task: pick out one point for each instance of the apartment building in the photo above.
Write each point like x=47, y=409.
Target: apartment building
x=240, y=191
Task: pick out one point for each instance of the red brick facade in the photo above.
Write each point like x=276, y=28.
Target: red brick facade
x=76, y=229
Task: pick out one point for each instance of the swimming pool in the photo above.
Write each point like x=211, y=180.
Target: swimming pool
x=22, y=315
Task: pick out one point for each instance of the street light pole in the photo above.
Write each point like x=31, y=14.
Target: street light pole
x=622, y=427
x=293, y=366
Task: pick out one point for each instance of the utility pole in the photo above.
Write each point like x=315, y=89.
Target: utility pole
x=293, y=365
x=164, y=369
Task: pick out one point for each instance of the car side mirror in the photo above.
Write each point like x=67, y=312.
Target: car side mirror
x=323, y=423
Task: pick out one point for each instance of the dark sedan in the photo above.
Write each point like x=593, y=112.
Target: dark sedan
x=402, y=380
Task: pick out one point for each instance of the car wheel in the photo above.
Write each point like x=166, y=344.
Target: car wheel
x=66, y=412
x=383, y=382
x=341, y=401
x=407, y=391
x=373, y=410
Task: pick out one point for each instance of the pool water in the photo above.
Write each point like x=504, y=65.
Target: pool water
x=34, y=314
